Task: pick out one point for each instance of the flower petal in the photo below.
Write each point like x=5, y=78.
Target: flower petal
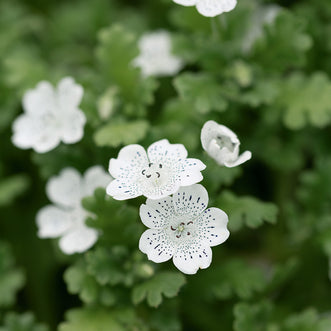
x=155, y=214
x=156, y=245
x=189, y=171
x=52, y=222
x=69, y=93
x=65, y=189
x=211, y=8
x=120, y=189
x=191, y=200
x=212, y=227
x=72, y=126
x=189, y=257
x=94, y=177
x=241, y=159
x=165, y=153
x=186, y=2
x=40, y=100
x=79, y=240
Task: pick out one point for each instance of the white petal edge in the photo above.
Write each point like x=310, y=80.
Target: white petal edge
x=190, y=171
x=122, y=190
x=190, y=200
x=212, y=8
x=52, y=222
x=213, y=227
x=155, y=214
x=70, y=94
x=79, y=240
x=156, y=245
x=73, y=123
x=65, y=189
x=241, y=159
x=186, y=2
x=190, y=259
x=94, y=177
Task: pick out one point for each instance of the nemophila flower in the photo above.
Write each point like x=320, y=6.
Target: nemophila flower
x=183, y=228
x=156, y=174
x=222, y=145
x=51, y=115
x=210, y=8
x=66, y=217
x=156, y=58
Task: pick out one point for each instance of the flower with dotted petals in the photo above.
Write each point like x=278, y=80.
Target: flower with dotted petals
x=66, y=218
x=155, y=58
x=183, y=228
x=210, y=8
x=222, y=145
x=50, y=116
x=156, y=174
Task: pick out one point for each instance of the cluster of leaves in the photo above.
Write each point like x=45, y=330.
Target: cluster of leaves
x=274, y=91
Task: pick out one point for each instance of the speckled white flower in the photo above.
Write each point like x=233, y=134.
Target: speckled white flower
x=155, y=58
x=183, y=228
x=222, y=145
x=210, y=8
x=66, y=217
x=51, y=115
x=262, y=16
x=156, y=174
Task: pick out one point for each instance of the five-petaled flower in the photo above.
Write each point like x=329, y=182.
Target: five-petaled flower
x=182, y=228
x=210, y=8
x=155, y=58
x=66, y=218
x=51, y=116
x=156, y=174
x=222, y=145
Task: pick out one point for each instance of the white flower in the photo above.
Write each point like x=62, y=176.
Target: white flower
x=262, y=16
x=210, y=8
x=50, y=116
x=66, y=218
x=155, y=58
x=156, y=174
x=183, y=228
x=222, y=145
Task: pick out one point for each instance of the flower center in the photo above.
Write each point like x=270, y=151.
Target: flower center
x=183, y=229
x=154, y=172
x=224, y=141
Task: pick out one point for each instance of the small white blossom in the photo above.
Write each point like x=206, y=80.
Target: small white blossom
x=50, y=116
x=155, y=58
x=66, y=217
x=183, y=228
x=222, y=145
x=156, y=174
x=210, y=8
x=261, y=17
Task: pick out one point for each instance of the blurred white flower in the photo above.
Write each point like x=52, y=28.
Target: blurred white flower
x=156, y=174
x=222, y=145
x=261, y=17
x=210, y=8
x=66, y=217
x=50, y=116
x=155, y=58
x=182, y=228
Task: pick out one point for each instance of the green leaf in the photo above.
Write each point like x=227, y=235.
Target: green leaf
x=285, y=43
x=306, y=100
x=92, y=319
x=165, y=283
x=246, y=211
x=238, y=278
x=252, y=317
x=21, y=322
x=202, y=91
x=116, y=134
x=11, y=279
x=11, y=187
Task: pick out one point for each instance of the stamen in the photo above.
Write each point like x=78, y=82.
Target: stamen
x=158, y=175
x=188, y=233
x=160, y=166
x=143, y=172
x=178, y=236
x=150, y=164
x=190, y=222
x=148, y=176
x=173, y=229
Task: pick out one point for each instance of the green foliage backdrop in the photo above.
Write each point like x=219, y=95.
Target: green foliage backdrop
x=272, y=274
